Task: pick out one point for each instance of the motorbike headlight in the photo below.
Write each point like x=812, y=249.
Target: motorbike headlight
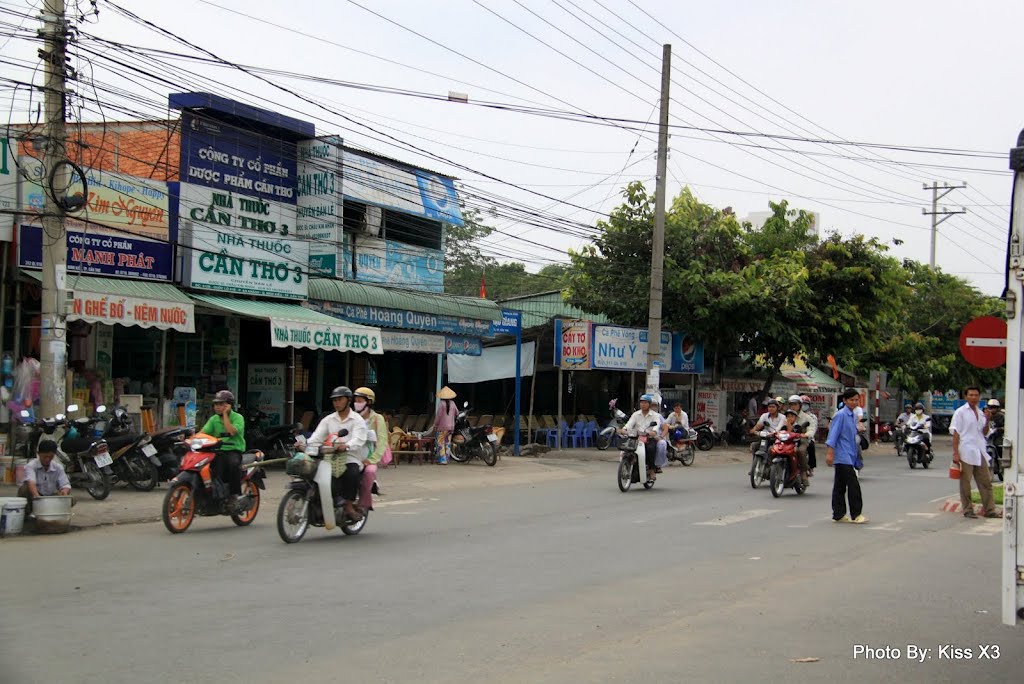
x=146, y=439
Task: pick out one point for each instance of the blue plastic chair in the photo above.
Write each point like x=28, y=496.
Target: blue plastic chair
x=576, y=434
x=552, y=434
x=590, y=433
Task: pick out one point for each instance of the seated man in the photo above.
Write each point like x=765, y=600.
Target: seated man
x=44, y=475
x=641, y=422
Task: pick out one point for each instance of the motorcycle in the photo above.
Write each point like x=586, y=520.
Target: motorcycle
x=633, y=460
x=759, y=463
x=610, y=434
x=995, y=454
x=194, y=490
x=785, y=466
x=736, y=430
x=915, y=449
x=706, y=435
x=276, y=441
x=471, y=442
x=886, y=431
x=86, y=459
x=308, y=501
x=170, y=446
x=135, y=460
x=681, y=445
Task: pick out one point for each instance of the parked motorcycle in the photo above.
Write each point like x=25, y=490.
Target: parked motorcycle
x=633, y=460
x=308, y=501
x=135, y=461
x=195, y=491
x=785, y=466
x=736, y=429
x=759, y=465
x=995, y=454
x=706, y=435
x=915, y=449
x=275, y=441
x=86, y=459
x=170, y=445
x=681, y=445
x=610, y=434
x=473, y=442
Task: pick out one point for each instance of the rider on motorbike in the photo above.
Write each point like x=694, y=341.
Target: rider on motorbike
x=363, y=400
x=656, y=447
x=228, y=426
x=923, y=422
x=803, y=422
x=996, y=424
x=901, y=423
x=346, y=463
x=772, y=421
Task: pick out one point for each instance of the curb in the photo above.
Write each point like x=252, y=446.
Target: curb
x=952, y=505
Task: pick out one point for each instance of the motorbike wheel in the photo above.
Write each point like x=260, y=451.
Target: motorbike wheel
x=99, y=481
x=648, y=485
x=604, y=441
x=357, y=527
x=488, y=453
x=687, y=455
x=912, y=459
x=625, y=474
x=925, y=462
x=243, y=519
x=777, y=479
x=705, y=441
x=458, y=455
x=179, y=508
x=144, y=475
x=756, y=471
x=290, y=527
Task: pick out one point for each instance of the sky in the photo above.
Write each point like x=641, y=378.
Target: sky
x=931, y=74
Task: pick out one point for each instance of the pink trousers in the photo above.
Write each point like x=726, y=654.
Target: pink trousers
x=366, y=487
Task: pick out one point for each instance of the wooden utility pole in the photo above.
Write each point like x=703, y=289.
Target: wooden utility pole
x=658, y=242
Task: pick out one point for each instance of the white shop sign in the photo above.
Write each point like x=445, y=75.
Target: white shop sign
x=626, y=348
x=343, y=338
x=412, y=342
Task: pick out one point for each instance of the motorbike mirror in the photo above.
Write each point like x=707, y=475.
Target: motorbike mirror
x=342, y=433
x=59, y=416
x=654, y=423
x=72, y=408
x=465, y=404
x=25, y=414
x=101, y=408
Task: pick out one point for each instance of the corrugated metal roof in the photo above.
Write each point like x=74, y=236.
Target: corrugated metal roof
x=253, y=308
x=540, y=308
x=348, y=292
x=121, y=287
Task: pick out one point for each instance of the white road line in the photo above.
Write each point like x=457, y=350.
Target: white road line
x=401, y=502
x=887, y=527
x=941, y=498
x=986, y=529
x=798, y=526
x=925, y=515
x=739, y=517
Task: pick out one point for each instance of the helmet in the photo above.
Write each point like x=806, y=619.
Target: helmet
x=794, y=399
x=649, y=398
x=341, y=391
x=366, y=393
x=908, y=405
x=919, y=405
x=772, y=402
x=993, y=403
x=224, y=396
x=791, y=411
x=804, y=399
x=677, y=435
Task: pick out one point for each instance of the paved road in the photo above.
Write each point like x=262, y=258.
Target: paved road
x=562, y=580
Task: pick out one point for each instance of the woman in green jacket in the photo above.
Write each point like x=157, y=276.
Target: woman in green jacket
x=363, y=400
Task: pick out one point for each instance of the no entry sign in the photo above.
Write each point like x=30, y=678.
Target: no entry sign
x=983, y=342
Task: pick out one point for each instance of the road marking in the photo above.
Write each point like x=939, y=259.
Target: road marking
x=887, y=527
x=926, y=515
x=941, y=498
x=402, y=502
x=990, y=527
x=797, y=526
x=739, y=517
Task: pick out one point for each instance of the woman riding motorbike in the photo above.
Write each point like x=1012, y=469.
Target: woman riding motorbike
x=363, y=400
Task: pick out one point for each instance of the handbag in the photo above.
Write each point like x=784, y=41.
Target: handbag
x=954, y=471
x=386, y=458
x=864, y=443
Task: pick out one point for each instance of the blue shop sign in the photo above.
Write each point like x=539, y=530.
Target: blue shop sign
x=114, y=255
x=511, y=321
x=217, y=155
x=410, y=320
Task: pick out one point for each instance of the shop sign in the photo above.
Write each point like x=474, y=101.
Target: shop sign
x=395, y=340
x=572, y=344
x=284, y=333
x=511, y=322
x=94, y=307
x=216, y=155
x=320, y=205
x=413, y=191
x=398, y=263
x=687, y=354
x=410, y=320
x=246, y=263
x=97, y=251
x=708, y=407
x=235, y=212
x=618, y=348
x=265, y=390
x=8, y=188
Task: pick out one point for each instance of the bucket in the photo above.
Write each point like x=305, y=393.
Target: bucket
x=19, y=470
x=52, y=514
x=12, y=515
x=7, y=469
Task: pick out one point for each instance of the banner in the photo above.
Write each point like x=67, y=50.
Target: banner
x=285, y=333
x=411, y=320
x=320, y=206
x=8, y=188
x=265, y=385
x=388, y=184
x=495, y=363
x=397, y=340
x=572, y=344
x=398, y=263
x=102, y=253
x=687, y=354
x=709, y=407
x=94, y=307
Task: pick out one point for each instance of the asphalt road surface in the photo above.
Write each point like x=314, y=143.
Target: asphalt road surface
x=558, y=580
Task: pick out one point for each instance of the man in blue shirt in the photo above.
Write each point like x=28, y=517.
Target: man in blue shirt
x=842, y=455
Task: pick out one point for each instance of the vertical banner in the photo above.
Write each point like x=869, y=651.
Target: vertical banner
x=8, y=189
x=708, y=407
x=265, y=390
x=572, y=344
x=320, y=205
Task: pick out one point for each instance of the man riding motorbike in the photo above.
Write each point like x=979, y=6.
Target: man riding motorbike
x=772, y=421
x=996, y=424
x=229, y=427
x=923, y=422
x=656, y=447
x=901, y=422
x=346, y=462
x=804, y=424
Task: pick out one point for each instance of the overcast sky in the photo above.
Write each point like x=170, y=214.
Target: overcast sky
x=934, y=74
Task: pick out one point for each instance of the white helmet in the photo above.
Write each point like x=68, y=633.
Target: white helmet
x=993, y=403
x=794, y=399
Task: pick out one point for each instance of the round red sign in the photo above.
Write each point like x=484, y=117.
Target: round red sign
x=983, y=342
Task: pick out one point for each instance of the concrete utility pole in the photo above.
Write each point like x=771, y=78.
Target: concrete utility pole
x=53, y=341
x=658, y=243
x=935, y=213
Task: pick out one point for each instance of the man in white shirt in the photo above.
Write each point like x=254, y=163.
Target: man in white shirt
x=772, y=421
x=346, y=463
x=968, y=428
x=641, y=421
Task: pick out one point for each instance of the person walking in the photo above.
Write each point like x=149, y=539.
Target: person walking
x=843, y=445
x=969, y=426
x=444, y=424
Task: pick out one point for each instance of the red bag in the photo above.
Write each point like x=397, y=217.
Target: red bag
x=954, y=471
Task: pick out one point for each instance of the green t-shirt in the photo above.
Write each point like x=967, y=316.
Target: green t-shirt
x=215, y=428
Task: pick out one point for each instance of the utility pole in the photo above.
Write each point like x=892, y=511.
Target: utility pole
x=658, y=242
x=935, y=213
x=53, y=340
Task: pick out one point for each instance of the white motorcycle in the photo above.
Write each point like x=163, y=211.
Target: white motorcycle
x=607, y=436
x=633, y=460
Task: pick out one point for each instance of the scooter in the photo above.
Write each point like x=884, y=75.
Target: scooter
x=785, y=468
x=681, y=445
x=170, y=446
x=195, y=491
x=274, y=441
x=610, y=434
x=86, y=459
x=995, y=454
x=915, y=448
x=135, y=460
x=473, y=442
x=759, y=465
x=706, y=435
x=886, y=431
x=633, y=460
x=308, y=501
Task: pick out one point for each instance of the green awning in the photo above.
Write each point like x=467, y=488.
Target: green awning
x=361, y=294
x=148, y=289
x=292, y=325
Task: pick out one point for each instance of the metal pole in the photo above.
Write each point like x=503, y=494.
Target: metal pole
x=319, y=382
x=162, y=385
x=558, y=425
x=519, y=385
x=52, y=338
x=289, y=409
x=533, y=386
x=658, y=241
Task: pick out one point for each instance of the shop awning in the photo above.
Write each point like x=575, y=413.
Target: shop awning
x=438, y=304
x=810, y=379
x=296, y=326
x=118, y=301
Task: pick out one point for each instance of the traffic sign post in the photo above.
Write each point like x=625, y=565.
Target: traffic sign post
x=983, y=342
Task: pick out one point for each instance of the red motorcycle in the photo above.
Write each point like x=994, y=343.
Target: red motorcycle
x=194, y=490
x=785, y=466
